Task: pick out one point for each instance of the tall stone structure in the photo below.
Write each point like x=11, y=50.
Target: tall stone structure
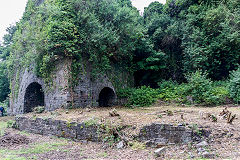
x=30, y=91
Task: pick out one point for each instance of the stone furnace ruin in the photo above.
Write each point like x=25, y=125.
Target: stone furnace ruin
x=29, y=90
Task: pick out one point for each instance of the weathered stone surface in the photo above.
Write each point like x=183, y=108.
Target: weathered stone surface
x=120, y=145
x=165, y=133
x=207, y=155
x=88, y=92
x=160, y=151
x=157, y=135
x=202, y=144
x=57, y=128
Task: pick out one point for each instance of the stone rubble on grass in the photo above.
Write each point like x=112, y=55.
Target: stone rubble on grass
x=201, y=150
x=156, y=143
x=191, y=155
x=120, y=145
x=202, y=144
x=160, y=151
x=207, y=155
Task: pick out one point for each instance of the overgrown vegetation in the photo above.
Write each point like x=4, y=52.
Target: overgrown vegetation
x=198, y=90
x=234, y=87
x=183, y=50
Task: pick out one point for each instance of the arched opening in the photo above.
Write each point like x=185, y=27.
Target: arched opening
x=34, y=97
x=106, y=97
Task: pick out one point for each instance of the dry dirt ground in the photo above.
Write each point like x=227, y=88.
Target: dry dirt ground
x=223, y=140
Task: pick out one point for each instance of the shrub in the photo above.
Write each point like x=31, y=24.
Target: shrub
x=125, y=93
x=166, y=90
x=216, y=95
x=39, y=109
x=199, y=85
x=234, y=85
x=141, y=97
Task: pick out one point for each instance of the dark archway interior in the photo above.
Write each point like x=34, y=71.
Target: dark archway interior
x=34, y=97
x=106, y=97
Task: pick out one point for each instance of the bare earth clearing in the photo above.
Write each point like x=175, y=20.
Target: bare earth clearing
x=223, y=141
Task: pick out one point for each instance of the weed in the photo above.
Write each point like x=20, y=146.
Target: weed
x=103, y=154
x=11, y=123
x=137, y=145
x=37, y=148
x=91, y=122
x=3, y=126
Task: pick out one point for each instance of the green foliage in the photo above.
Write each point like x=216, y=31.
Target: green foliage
x=199, y=84
x=11, y=123
x=198, y=90
x=3, y=126
x=4, y=83
x=204, y=91
x=178, y=38
x=234, y=85
x=211, y=40
x=141, y=97
x=125, y=93
x=168, y=90
x=39, y=109
x=4, y=54
x=191, y=35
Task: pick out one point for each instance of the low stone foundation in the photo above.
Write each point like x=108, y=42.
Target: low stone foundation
x=153, y=134
x=165, y=134
x=79, y=131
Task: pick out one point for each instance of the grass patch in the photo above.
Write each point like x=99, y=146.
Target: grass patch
x=31, y=150
x=3, y=126
x=137, y=145
x=103, y=154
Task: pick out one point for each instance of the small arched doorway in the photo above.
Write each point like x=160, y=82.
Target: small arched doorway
x=33, y=97
x=106, y=97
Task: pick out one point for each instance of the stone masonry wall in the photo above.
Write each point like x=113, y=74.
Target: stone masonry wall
x=155, y=133
x=58, y=94
x=55, y=96
x=79, y=131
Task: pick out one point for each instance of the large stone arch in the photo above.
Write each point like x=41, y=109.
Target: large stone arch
x=33, y=97
x=17, y=100
x=56, y=94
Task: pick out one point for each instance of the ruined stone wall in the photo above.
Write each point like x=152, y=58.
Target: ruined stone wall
x=153, y=134
x=79, y=131
x=157, y=133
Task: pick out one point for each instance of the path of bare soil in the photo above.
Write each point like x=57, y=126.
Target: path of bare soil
x=224, y=140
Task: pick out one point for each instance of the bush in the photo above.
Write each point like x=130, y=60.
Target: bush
x=125, y=93
x=216, y=95
x=141, y=97
x=167, y=90
x=198, y=90
x=199, y=84
x=234, y=85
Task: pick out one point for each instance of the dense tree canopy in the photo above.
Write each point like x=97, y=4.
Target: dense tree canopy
x=192, y=35
x=5, y=49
